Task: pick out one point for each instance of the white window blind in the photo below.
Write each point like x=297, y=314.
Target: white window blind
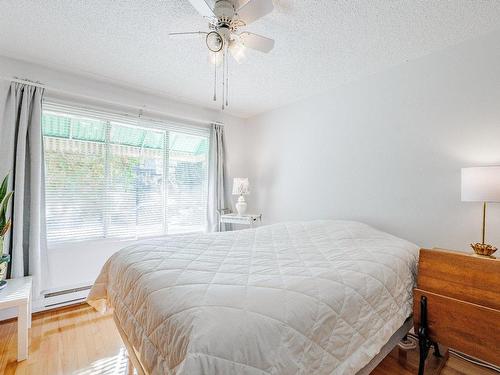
x=112, y=176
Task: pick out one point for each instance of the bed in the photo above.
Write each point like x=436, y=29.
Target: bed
x=317, y=297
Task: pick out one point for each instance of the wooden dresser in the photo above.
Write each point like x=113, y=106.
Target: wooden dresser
x=457, y=304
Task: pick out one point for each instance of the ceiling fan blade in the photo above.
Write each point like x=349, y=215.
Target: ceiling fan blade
x=257, y=42
x=237, y=50
x=187, y=35
x=255, y=9
x=202, y=7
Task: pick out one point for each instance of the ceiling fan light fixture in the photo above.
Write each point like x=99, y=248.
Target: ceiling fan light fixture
x=225, y=18
x=238, y=51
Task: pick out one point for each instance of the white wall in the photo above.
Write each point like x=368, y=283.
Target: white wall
x=387, y=150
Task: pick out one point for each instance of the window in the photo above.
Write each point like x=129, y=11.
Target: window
x=113, y=177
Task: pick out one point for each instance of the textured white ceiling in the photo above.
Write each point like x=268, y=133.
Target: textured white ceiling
x=319, y=44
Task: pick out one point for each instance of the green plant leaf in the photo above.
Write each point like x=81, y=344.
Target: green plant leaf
x=4, y=229
x=3, y=207
x=3, y=187
x=4, y=203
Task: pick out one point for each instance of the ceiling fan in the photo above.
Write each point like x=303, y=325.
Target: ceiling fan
x=225, y=18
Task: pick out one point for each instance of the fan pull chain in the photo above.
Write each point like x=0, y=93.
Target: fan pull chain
x=223, y=76
x=227, y=80
x=215, y=79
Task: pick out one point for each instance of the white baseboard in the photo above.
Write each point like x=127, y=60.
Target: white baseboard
x=53, y=300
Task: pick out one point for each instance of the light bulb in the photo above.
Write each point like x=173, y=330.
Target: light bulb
x=237, y=50
x=215, y=58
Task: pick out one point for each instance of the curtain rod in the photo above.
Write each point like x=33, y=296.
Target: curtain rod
x=139, y=109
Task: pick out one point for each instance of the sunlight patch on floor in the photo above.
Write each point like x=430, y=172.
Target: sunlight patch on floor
x=116, y=365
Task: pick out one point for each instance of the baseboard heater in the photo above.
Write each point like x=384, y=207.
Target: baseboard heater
x=65, y=297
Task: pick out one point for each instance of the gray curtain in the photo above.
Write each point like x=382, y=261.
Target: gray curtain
x=217, y=174
x=22, y=156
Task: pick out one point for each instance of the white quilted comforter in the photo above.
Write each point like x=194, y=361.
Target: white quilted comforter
x=319, y=297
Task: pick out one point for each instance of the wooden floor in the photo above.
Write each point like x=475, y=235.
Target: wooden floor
x=78, y=340
x=74, y=340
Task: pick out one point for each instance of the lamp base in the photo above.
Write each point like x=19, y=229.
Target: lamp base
x=241, y=206
x=484, y=250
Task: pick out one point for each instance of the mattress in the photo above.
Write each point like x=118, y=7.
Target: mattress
x=317, y=297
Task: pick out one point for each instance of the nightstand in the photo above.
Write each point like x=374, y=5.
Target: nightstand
x=457, y=304
x=17, y=293
x=249, y=220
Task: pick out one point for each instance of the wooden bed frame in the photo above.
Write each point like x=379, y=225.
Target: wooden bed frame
x=134, y=361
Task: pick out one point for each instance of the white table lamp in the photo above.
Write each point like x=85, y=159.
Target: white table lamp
x=481, y=184
x=241, y=188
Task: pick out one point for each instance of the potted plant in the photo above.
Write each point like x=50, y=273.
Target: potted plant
x=5, y=224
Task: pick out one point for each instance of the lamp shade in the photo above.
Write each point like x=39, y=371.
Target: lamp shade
x=481, y=184
x=241, y=186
